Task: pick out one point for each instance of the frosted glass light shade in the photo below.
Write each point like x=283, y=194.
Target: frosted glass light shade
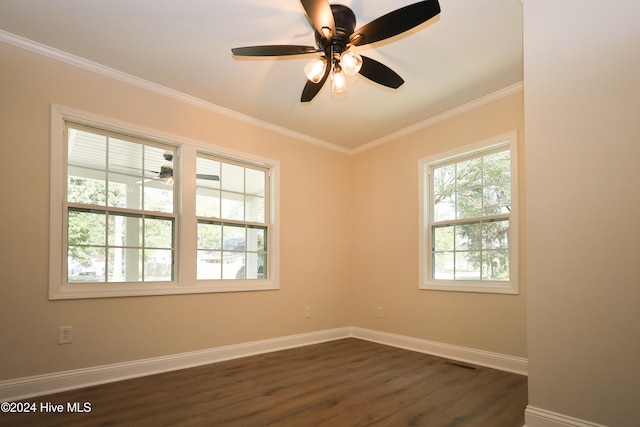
x=338, y=80
x=351, y=62
x=315, y=69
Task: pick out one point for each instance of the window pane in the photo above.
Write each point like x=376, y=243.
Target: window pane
x=497, y=168
x=255, y=182
x=207, y=173
x=81, y=189
x=208, y=202
x=234, y=238
x=496, y=234
x=125, y=157
x=125, y=230
x=209, y=236
x=468, y=236
x=123, y=194
x=125, y=174
x=158, y=233
x=468, y=265
x=86, y=149
x=158, y=265
x=158, y=163
x=469, y=188
x=444, y=188
x=443, y=265
x=209, y=265
x=241, y=273
x=469, y=173
x=497, y=187
x=232, y=178
x=256, y=239
x=158, y=187
x=232, y=206
x=443, y=238
x=254, y=209
x=255, y=266
x=86, y=154
x=86, y=228
x=125, y=265
x=158, y=196
x=85, y=264
x=469, y=202
x=233, y=265
x=496, y=265
x=497, y=199
x=262, y=266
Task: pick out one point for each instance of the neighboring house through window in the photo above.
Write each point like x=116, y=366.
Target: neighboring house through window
x=137, y=212
x=232, y=209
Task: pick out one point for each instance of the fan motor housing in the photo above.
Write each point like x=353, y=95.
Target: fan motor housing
x=345, y=23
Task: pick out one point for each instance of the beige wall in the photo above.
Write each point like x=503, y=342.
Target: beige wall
x=348, y=235
x=315, y=208
x=582, y=104
x=386, y=222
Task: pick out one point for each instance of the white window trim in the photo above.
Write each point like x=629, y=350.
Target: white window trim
x=424, y=238
x=185, y=277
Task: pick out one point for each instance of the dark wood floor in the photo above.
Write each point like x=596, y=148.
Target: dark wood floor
x=342, y=383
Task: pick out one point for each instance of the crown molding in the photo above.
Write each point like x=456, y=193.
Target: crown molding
x=95, y=67
x=478, y=102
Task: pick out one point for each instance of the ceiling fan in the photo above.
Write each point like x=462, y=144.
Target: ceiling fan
x=334, y=28
x=165, y=174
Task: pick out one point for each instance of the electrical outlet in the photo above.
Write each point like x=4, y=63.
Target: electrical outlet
x=65, y=335
x=378, y=311
x=307, y=311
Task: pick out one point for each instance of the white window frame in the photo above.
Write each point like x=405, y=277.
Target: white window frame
x=227, y=222
x=426, y=280
x=186, y=223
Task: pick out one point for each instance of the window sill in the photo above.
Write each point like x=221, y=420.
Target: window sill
x=472, y=286
x=122, y=290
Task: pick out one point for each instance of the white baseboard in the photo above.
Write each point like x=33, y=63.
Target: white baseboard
x=39, y=385
x=536, y=417
x=502, y=362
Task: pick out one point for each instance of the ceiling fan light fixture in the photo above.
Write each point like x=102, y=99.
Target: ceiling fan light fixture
x=338, y=79
x=335, y=33
x=351, y=62
x=315, y=69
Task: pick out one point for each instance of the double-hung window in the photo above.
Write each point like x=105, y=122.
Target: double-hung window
x=120, y=208
x=469, y=218
x=135, y=211
x=232, y=210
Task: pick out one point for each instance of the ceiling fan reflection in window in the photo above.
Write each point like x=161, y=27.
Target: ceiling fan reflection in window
x=334, y=28
x=165, y=174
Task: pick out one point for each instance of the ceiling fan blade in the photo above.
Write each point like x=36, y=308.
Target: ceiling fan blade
x=273, y=50
x=311, y=89
x=380, y=73
x=396, y=22
x=321, y=17
x=209, y=177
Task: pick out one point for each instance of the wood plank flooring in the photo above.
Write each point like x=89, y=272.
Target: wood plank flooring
x=342, y=383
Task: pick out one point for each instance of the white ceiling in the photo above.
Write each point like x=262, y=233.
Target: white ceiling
x=472, y=49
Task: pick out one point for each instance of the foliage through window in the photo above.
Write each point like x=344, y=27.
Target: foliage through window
x=135, y=211
x=120, y=208
x=231, y=205
x=468, y=211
